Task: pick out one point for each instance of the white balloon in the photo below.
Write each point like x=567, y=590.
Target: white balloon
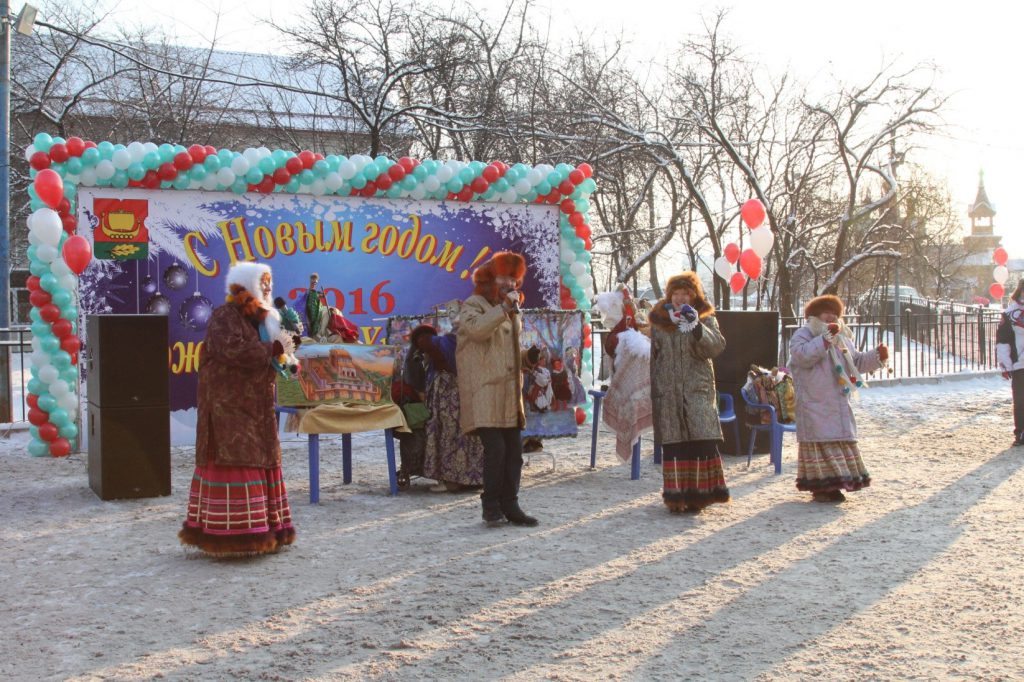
x=523, y=186
x=240, y=165
x=29, y=151
x=318, y=187
x=60, y=268
x=509, y=196
x=264, y=152
x=105, y=170
x=252, y=156
x=88, y=177
x=419, y=192
x=723, y=268
x=150, y=147
x=59, y=388
x=535, y=177
x=32, y=238
x=578, y=269
x=37, y=344
x=333, y=182
x=47, y=225
x=48, y=374
x=432, y=183
x=121, y=158
x=226, y=176
x=210, y=182
x=761, y=241
x=39, y=358
x=137, y=151
x=999, y=274
x=568, y=256
x=444, y=174
x=46, y=253
x=68, y=402
x=347, y=169
x=69, y=282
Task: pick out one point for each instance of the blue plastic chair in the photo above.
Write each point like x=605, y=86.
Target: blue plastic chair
x=727, y=415
x=775, y=431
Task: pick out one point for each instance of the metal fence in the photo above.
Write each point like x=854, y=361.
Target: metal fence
x=923, y=341
x=15, y=348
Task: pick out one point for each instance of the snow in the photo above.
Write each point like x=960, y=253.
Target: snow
x=910, y=578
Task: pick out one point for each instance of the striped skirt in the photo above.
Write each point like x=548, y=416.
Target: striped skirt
x=826, y=467
x=693, y=475
x=237, y=510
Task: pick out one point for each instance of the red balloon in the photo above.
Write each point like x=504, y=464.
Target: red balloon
x=61, y=327
x=70, y=344
x=59, y=153
x=182, y=161
x=554, y=197
x=281, y=176
x=49, y=187
x=396, y=172
x=732, y=253
x=586, y=169
x=576, y=219
x=210, y=150
x=490, y=173
x=479, y=185
x=60, y=447
x=33, y=401
x=1000, y=256
x=750, y=263
x=32, y=283
x=48, y=432
x=39, y=161
x=294, y=165
x=74, y=358
x=465, y=194
x=151, y=180
x=167, y=172
x=737, y=282
x=77, y=253
x=588, y=342
x=587, y=244
x=996, y=291
x=752, y=213
x=583, y=231
x=37, y=417
x=50, y=312
x=39, y=298
x=75, y=146
x=407, y=164
x=576, y=176
x=266, y=185
x=581, y=416
x=568, y=206
x=566, y=187
x=384, y=181
x=197, y=152
x=307, y=158
x=70, y=222
x=369, y=190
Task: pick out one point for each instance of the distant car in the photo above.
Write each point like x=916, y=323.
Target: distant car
x=879, y=301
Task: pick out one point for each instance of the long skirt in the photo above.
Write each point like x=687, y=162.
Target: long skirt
x=236, y=510
x=693, y=474
x=450, y=455
x=830, y=466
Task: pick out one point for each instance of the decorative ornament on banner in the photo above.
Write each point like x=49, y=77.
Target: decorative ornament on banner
x=1000, y=274
x=750, y=261
x=57, y=255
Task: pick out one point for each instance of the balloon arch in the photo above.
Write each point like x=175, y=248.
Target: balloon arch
x=57, y=254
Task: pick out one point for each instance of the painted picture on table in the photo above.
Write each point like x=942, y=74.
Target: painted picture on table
x=339, y=373
x=552, y=342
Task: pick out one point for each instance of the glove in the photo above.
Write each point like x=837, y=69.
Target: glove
x=511, y=302
x=833, y=328
x=828, y=337
x=1006, y=375
x=688, y=312
x=883, y=352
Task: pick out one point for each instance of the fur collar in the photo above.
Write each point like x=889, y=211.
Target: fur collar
x=818, y=327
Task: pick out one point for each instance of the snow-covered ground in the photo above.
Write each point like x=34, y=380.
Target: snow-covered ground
x=917, y=577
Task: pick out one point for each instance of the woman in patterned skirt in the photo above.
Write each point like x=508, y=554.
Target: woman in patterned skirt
x=684, y=339
x=826, y=366
x=237, y=504
x=453, y=459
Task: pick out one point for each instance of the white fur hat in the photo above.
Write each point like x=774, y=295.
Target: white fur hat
x=247, y=275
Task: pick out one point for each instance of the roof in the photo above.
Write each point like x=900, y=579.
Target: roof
x=982, y=207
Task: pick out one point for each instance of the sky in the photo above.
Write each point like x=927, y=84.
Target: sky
x=976, y=47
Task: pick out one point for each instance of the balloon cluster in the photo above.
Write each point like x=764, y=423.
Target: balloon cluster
x=56, y=256
x=151, y=166
x=762, y=239
x=1000, y=273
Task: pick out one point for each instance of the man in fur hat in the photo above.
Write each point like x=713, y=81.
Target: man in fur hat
x=491, y=384
x=237, y=504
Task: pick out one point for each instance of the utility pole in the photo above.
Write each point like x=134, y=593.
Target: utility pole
x=5, y=163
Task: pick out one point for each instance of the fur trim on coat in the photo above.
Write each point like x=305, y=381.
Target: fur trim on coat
x=247, y=275
x=659, y=315
x=501, y=264
x=824, y=304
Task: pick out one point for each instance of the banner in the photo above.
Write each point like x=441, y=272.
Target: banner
x=167, y=252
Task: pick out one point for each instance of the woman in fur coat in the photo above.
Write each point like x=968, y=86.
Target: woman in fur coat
x=826, y=368
x=684, y=340
x=1010, y=354
x=237, y=504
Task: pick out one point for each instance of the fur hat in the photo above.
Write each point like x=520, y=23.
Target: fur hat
x=501, y=264
x=824, y=304
x=243, y=289
x=247, y=275
x=700, y=303
x=419, y=331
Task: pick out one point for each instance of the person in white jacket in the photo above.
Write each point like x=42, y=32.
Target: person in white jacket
x=1010, y=354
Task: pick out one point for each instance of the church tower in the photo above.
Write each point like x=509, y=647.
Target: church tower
x=981, y=213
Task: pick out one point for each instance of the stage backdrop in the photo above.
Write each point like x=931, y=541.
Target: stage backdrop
x=167, y=253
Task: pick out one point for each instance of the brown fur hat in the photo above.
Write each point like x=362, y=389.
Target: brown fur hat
x=690, y=280
x=501, y=264
x=824, y=304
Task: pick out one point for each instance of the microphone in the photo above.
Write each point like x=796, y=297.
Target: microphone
x=513, y=302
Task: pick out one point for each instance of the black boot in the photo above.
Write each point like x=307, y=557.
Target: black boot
x=517, y=516
x=493, y=517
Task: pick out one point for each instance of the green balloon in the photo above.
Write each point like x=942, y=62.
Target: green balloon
x=321, y=168
x=279, y=156
x=293, y=186
x=69, y=313
x=35, y=386
x=136, y=172
x=181, y=182
x=254, y=176
x=454, y=186
x=105, y=149
x=38, y=448
x=267, y=166
x=48, y=282
x=197, y=173
x=358, y=182
x=120, y=179
x=409, y=182
x=73, y=166
x=307, y=177
x=50, y=344
x=68, y=431
x=47, y=403
x=59, y=417
x=212, y=163
x=466, y=175
x=41, y=330
x=239, y=186
x=370, y=172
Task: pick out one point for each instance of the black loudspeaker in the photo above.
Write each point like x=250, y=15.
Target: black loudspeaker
x=129, y=417
x=129, y=451
x=751, y=338
x=126, y=360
